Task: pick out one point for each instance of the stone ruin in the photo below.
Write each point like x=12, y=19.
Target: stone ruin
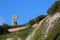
x=14, y=20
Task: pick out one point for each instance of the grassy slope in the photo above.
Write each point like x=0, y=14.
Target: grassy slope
x=37, y=35
x=22, y=34
x=54, y=33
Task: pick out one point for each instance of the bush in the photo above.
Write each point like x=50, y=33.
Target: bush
x=3, y=30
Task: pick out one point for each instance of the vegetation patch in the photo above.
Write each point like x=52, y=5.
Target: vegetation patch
x=19, y=34
x=54, y=8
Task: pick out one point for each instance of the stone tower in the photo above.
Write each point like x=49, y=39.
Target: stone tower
x=14, y=20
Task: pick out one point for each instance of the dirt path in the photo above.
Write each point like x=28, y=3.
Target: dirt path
x=16, y=29
x=39, y=23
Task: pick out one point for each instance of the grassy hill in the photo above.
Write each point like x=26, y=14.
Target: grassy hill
x=49, y=30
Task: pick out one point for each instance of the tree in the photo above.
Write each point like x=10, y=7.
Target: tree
x=39, y=18
x=55, y=8
x=31, y=22
x=5, y=25
x=4, y=28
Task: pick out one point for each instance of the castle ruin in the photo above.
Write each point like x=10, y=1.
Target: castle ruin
x=14, y=20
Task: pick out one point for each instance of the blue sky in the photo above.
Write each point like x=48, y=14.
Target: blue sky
x=25, y=9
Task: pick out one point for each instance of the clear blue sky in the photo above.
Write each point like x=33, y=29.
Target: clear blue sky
x=26, y=9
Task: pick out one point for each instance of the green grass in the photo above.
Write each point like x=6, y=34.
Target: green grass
x=19, y=34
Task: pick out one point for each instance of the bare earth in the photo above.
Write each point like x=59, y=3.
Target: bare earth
x=16, y=29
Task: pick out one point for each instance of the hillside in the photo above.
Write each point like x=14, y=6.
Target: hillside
x=50, y=28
